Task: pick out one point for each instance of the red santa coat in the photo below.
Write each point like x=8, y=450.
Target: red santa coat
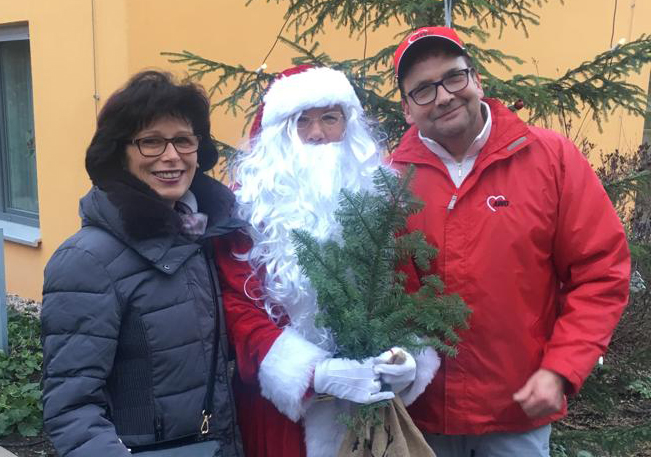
x=275, y=368
x=533, y=245
x=265, y=430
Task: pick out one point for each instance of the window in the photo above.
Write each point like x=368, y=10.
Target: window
x=18, y=194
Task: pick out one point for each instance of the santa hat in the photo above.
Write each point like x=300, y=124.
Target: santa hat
x=303, y=87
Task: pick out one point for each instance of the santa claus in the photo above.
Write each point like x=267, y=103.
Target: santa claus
x=309, y=140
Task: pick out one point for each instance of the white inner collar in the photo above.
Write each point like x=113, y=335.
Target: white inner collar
x=459, y=169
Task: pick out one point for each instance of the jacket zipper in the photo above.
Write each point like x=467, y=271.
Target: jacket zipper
x=210, y=258
x=158, y=428
x=210, y=388
x=453, y=201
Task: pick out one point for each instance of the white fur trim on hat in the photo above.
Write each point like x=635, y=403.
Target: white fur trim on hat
x=312, y=88
x=427, y=364
x=286, y=372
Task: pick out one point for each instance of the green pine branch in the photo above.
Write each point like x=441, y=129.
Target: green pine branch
x=625, y=176
x=499, y=14
x=615, y=441
x=227, y=155
x=627, y=185
x=598, y=85
x=362, y=299
x=248, y=84
x=310, y=17
x=326, y=257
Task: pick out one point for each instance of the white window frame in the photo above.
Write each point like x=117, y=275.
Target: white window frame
x=16, y=228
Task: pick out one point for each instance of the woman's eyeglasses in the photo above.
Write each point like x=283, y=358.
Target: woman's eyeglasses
x=153, y=146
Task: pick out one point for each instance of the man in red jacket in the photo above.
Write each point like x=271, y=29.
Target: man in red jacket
x=526, y=235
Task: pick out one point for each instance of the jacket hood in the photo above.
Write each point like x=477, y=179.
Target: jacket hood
x=149, y=226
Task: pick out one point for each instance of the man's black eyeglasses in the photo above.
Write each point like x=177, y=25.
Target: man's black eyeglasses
x=453, y=83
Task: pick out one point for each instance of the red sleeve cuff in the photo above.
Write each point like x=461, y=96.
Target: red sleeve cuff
x=573, y=381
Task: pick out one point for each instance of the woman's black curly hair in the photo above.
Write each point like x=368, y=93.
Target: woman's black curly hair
x=146, y=97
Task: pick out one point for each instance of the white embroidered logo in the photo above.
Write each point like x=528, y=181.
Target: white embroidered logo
x=496, y=200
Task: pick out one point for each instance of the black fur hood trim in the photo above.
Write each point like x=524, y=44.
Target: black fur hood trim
x=134, y=212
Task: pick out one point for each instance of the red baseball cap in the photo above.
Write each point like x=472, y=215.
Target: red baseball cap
x=440, y=33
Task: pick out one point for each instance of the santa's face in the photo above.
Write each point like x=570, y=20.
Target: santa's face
x=321, y=125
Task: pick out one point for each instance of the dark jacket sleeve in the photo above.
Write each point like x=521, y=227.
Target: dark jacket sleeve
x=80, y=325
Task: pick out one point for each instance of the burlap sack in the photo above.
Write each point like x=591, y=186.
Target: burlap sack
x=396, y=437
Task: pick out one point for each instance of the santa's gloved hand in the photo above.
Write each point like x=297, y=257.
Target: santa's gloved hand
x=397, y=368
x=350, y=380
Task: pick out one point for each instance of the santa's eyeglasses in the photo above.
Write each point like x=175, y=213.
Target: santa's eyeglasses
x=327, y=120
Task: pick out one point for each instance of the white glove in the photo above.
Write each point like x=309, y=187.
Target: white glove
x=397, y=368
x=350, y=380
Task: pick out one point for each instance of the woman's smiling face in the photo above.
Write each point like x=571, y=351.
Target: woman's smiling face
x=169, y=174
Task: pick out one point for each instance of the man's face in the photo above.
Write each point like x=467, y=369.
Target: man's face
x=450, y=116
x=321, y=125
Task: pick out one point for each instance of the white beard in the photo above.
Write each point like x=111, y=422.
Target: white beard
x=316, y=197
x=284, y=190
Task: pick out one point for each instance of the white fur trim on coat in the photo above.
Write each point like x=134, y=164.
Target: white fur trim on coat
x=286, y=372
x=324, y=433
x=427, y=364
x=313, y=88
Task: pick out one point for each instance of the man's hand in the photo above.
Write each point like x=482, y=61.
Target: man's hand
x=542, y=394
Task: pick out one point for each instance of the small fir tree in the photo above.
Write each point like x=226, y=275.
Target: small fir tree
x=361, y=295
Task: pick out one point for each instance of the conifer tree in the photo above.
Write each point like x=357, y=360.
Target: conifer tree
x=598, y=86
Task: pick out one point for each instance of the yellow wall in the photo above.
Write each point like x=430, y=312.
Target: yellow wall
x=62, y=78
x=80, y=48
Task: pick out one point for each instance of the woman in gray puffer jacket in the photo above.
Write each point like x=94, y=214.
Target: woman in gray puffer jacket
x=132, y=317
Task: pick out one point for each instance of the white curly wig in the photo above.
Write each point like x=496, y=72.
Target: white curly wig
x=284, y=184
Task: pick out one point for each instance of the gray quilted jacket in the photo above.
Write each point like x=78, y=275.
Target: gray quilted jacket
x=128, y=328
